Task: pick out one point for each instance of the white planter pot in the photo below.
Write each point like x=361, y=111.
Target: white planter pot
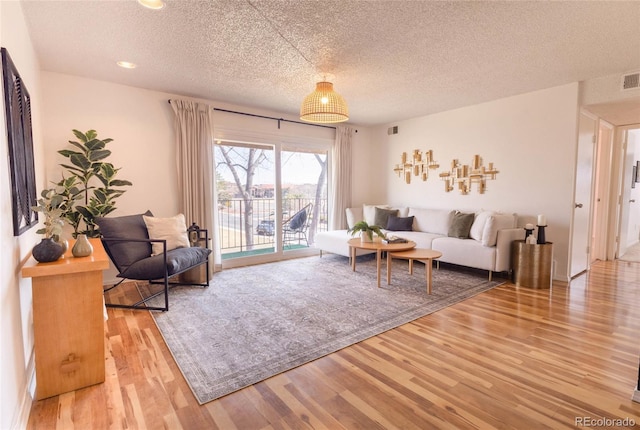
x=364, y=237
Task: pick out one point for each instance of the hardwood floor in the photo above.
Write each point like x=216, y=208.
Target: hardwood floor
x=509, y=358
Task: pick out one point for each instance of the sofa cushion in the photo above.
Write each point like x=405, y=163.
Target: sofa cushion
x=460, y=225
x=178, y=260
x=354, y=215
x=369, y=213
x=403, y=211
x=494, y=223
x=431, y=220
x=423, y=240
x=465, y=252
x=477, y=228
x=382, y=216
x=336, y=241
x=396, y=223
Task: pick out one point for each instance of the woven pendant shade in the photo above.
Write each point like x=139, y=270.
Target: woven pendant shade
x=324, y=105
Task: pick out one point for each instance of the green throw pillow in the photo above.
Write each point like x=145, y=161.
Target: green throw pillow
x=461, y=225
x=382, y=216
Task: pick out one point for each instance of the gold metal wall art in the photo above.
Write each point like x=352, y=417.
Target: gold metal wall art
x=465, y=175
x=418, y=165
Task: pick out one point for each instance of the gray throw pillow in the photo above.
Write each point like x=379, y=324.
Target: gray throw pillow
x=396, y=223
x=382, y=215
x=461, y=225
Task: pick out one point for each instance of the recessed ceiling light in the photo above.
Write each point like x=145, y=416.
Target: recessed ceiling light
x=126, y=65
x=152, y=4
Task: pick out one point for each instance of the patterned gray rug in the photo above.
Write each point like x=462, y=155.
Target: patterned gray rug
x=255, y=322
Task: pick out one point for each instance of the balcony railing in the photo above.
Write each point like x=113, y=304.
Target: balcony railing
x=235, y=219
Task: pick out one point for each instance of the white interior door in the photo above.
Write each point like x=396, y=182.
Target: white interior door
x=580, y=231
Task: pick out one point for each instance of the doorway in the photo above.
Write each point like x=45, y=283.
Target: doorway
x=628, y=232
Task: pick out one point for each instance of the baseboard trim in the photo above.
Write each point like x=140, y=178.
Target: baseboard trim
x=21, y=417
x=636, y=396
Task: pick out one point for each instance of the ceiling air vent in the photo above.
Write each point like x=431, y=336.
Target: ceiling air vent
x=392, y=130
x=631, y=81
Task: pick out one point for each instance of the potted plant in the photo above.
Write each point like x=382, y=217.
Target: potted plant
x=366, y=231
x=91, y=188
x=51, y=247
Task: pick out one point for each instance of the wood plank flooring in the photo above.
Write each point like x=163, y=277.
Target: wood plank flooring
x=509, y=358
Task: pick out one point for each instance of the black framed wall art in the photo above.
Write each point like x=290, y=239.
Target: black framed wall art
x=17, y=107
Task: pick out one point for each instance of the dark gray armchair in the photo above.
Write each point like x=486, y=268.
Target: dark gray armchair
x=127, y=243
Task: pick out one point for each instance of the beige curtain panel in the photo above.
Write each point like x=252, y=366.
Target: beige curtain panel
x=340, y=177
x=194, y=156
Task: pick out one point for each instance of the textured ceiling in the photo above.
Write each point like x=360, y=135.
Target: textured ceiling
x=392, y=60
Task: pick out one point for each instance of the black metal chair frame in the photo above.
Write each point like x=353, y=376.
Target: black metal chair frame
x=290, y=235
x=141, y=304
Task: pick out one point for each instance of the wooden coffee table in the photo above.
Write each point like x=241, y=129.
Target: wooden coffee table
x=379, y=247
x=425, y=255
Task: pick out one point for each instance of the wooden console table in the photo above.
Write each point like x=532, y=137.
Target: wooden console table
x=68, y=321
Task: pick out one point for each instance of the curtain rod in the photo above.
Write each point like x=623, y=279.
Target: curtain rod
x=271, y=117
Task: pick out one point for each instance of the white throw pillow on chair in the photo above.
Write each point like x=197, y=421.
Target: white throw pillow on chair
x=173, y=230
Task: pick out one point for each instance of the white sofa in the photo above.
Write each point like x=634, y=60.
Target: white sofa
x=488, y=246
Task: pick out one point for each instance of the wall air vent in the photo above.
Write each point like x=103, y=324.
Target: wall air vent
x=392, y=130
x=631, y=81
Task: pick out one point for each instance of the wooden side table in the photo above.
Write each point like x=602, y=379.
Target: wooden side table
x=424, y=255
x=379, y=247
x=532, y=264
x=68, y=321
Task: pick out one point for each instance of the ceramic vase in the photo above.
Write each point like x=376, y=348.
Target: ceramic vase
x=82, y=247
x=61, y=241
x=364, y=237
x=47, y=250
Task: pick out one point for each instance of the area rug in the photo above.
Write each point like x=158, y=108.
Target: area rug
x=255, y=322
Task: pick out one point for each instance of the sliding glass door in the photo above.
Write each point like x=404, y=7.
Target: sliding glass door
x=304, y=197
x=272, y=199
x=245, y=176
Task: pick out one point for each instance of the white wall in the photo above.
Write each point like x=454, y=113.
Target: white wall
x=16, y=333
x=530, y=138
x=605, y=89
x=141, y=124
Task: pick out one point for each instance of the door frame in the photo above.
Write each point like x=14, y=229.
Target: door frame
x=600, y=191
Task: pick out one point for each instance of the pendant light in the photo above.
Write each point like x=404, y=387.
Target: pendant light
x=324, y=105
